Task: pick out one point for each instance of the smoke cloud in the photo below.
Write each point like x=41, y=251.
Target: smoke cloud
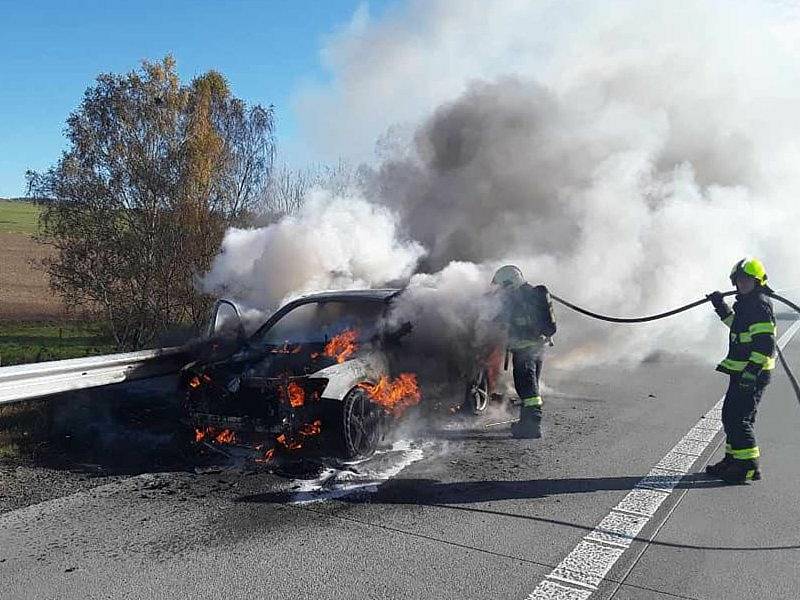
x=626, y=154
x=333, y=242
x=452, y=314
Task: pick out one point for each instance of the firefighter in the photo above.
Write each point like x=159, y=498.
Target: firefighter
x=528, y=316
x=749, y=364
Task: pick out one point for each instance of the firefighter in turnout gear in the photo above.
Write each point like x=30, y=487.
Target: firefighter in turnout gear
x=528, y=315
x=750, y=361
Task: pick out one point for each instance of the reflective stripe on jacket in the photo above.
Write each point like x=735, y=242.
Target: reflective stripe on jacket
x=752, y=337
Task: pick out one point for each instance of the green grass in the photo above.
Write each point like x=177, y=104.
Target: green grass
x=34, y=342
x=17, y=216
x=24, y=427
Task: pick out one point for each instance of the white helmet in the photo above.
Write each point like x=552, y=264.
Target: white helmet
x=508, y=276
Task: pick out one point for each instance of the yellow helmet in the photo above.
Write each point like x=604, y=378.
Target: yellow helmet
x=752, y=267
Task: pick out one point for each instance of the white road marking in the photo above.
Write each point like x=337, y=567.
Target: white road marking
x=587, y=564
x=590, y=561
x=675, y=461
x=618, y=528
x=555, y=591
x=659, y=479
x=642, y=502
x=690, y=446
x=701, y=433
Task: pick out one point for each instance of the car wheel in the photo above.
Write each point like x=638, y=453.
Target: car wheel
x=361, y=422
x=477, y=395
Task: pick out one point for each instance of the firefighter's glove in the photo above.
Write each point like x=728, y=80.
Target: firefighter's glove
x=720, y=306
x=747, y=380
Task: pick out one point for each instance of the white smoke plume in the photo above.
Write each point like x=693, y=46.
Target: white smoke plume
x=333, y=242
x=453, y=314
x=625, y=153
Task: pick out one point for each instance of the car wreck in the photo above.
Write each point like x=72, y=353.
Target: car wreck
x=323, y=366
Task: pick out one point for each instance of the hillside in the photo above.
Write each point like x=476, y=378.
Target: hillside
x=24, y=292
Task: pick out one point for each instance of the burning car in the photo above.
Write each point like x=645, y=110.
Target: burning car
x=319, y=366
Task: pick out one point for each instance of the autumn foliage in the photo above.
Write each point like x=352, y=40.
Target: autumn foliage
x=136, y=207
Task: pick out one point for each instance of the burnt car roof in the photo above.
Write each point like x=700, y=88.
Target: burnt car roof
x=378, y=295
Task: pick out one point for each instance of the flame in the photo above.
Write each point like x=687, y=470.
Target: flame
x=288, y=443
x=226, y=436
x=196, y=381
x=310, y=429
x=293, y=443
x=493, y=364
x=295, y=394
x=395, y=395
x=223, y=436
x=342, y=346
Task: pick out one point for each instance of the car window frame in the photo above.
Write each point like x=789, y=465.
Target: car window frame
x=289, y=307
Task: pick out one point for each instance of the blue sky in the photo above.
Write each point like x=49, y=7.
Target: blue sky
x=51, y=51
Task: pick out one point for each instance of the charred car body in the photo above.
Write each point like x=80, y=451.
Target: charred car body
x=319, y=366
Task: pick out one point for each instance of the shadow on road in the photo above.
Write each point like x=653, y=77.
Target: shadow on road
x=463, y=435
x=457, y=495
x=433, y=492
x=114, y=430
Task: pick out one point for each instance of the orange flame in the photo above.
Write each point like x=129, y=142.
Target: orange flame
x=224, y=436
x=493, y=363
x=295, y=443
x=395, y=395
x=198, y=380
x=342, y=346
x=295, y=394
x=268, y=455
x=310, y=429
x=288, y=443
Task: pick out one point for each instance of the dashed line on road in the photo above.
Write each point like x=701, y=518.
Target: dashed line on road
x=579, y=575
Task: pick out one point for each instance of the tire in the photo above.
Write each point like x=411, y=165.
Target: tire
x=361, y=423
x=476, y=397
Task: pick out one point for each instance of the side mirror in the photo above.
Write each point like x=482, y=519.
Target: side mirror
x=225, y=319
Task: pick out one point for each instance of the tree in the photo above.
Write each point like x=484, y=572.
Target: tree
x=287, y=188
x=137, y=206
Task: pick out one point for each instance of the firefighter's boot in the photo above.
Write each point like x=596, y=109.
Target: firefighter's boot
x=717, y=468
x=529, y=424
x=740, y=471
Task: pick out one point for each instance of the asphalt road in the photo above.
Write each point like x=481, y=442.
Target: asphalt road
x=466, y=512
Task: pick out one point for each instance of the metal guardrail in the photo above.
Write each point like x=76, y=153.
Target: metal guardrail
x=24, y=382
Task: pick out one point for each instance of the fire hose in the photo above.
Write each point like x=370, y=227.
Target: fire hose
x=691, y=305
